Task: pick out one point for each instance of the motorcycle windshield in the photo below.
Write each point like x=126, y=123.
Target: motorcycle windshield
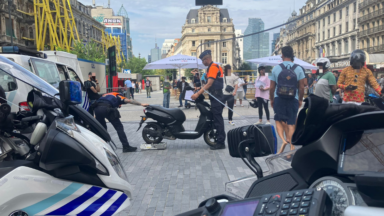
x=271, y=164
x=22, y=74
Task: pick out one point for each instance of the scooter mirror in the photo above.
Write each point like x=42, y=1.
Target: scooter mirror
x=70, y=92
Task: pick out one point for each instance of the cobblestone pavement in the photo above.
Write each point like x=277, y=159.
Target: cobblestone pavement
x=175, y=180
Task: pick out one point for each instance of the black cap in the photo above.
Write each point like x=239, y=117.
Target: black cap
x=183, y=78
x=357, y=59
x=90, y=73
x=206, y=52
x=261, y=68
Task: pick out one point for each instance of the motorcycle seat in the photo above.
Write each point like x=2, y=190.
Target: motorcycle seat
x=174, y=112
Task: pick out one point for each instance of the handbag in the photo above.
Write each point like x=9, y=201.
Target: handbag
x=228, y=88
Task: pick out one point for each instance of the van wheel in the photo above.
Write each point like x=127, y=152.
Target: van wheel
x=210, y=137
x=152, y=134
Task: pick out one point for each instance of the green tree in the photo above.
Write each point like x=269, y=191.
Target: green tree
x=136, y=65
x=90, y=51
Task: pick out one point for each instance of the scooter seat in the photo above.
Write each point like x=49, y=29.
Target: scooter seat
x=174, y=112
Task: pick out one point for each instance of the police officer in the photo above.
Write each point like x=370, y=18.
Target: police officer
x=106, y=108
x=215, y=86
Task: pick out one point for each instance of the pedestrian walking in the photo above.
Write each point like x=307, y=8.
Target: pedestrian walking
x=310, y=83
x=182, y=87
x=245, y=87
x=92, y=88
x=215, y=86
x=353, y=79
x=137, y=87
x=286, y=95
x=262, y=85
x=240, y=91
x=107, y=108
x=148, y=85
x=133, y=90
x=229, y=92
x=326, y=84
x=166, y=92
x=381, y=82
x=128, y=84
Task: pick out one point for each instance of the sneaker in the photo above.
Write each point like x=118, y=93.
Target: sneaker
x=129, y=149
x=268, y=123
x=232, y=123
x=217, y=147
x=257, y=123
x=149, y=96
x=180, y=106
x=235, y=105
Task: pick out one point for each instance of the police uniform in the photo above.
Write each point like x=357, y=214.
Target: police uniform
x=215, y=72
x=106, y=108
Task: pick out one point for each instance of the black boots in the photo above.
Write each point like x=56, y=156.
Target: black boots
x=129, y=149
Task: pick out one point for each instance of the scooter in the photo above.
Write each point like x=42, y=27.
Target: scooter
x=169, y=124
x=337, y=171
x=58, y=167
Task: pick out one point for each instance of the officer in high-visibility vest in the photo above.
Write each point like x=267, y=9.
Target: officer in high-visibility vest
x=215, y=86
x=106, y=108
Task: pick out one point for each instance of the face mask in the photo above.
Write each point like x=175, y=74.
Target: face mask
x=321, y=71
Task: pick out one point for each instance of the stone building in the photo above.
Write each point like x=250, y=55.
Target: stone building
x=301, y=36
x=336, y=26
x=204, y=26
x=23, y=24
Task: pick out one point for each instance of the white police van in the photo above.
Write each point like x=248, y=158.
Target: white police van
x=36, y=62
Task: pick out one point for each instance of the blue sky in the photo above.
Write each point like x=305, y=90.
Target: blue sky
x=164, y=19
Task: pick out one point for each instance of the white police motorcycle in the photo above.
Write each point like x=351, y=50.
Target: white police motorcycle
x=49, y=165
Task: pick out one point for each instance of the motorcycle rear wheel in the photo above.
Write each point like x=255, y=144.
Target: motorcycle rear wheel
x=148, y=138
x=210, y=138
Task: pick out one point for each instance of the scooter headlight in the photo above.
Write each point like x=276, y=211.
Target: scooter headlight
x=115, y=163
x=67, y=125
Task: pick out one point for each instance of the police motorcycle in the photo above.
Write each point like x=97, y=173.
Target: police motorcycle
x=49, y=165
x=339, y=170
x=169, y=124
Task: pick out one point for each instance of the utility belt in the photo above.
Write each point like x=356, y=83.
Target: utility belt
x=112, y=113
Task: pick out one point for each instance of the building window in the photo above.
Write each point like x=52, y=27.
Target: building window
x=354, y=7
x=193, y=53
x=329, y=19
x=346, y=27
x=333, y=49
x=329, y=33
x=340, y=30
x=334, y=31
x=341, y=14
x=354, y=24
x=346, y=47
x=339, y=45
x=318, y=36
x=193, y=43
x=334, y=17
x=347, y=10
x=209, y=44
x=224, y=58
x=225, y=20
x=209, y=30
x=193, y=30
x=353, y=44
x=324, y=22
x=224, y=44
x=323, y=35
x=319, y=24
x=225, y=29
x=208, y=19
x=193, y=21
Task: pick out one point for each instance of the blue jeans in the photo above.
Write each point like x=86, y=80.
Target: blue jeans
x=181, y=100
x=245, y=93
x=167, y=97
x=310, y=90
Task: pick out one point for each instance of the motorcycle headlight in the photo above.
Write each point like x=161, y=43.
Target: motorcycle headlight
x=115, y=163
x=67, y=125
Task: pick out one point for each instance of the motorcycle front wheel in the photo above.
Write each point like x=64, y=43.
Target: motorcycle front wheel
x=210, y=137
x=148, y=134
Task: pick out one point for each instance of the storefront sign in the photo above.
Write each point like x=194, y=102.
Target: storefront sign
x=378, y=66
x=110, y=20
x=340, y=64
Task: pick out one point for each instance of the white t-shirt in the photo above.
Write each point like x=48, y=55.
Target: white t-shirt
x=231, y=81
x=240, y=87
x=133, y=85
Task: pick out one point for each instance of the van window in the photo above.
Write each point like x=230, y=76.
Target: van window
x=47, y=71
x=61, y=72
x=28, y=68
x=73, y=76
x=7, y=82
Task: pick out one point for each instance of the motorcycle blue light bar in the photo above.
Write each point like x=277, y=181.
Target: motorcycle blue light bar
x=75, y=92
x=10, y=49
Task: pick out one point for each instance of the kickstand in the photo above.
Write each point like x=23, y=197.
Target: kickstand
x=245, y=152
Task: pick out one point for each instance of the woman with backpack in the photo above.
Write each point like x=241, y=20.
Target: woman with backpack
x=262, y=84
x=230, y=89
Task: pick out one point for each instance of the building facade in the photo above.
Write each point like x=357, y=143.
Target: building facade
x=166, y=46
x=255, y=46
x=275, y=40
x=202, y=28
x=22, y=26
x=301, y=36
x=337, y=27
x=155, y=53
x=117, y=25
x=149, y=59
x=240, y=44
x=371, y=26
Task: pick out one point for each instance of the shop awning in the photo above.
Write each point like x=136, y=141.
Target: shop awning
x=124, y=76
x=375, y=59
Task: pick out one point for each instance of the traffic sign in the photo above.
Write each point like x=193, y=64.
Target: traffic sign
x=126, y=71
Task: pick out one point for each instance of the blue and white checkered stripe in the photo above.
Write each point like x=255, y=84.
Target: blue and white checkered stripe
x=94, y=201
x=86, y=102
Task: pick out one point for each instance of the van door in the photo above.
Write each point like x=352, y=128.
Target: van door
x=73, y=76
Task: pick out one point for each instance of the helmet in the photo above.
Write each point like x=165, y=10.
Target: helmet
x=357, y=59
x=323, y=62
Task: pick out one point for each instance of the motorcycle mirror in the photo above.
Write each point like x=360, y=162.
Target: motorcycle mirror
x=70, y=92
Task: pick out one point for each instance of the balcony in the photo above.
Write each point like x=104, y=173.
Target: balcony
x=375, y=49
x=370, y=31
x=371, y=15
x=366, y=3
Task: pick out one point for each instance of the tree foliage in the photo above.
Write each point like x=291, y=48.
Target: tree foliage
x=136, y=65
x=90, y=51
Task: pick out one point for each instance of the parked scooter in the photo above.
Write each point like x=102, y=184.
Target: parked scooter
x=56, y=167
x=169, y=124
